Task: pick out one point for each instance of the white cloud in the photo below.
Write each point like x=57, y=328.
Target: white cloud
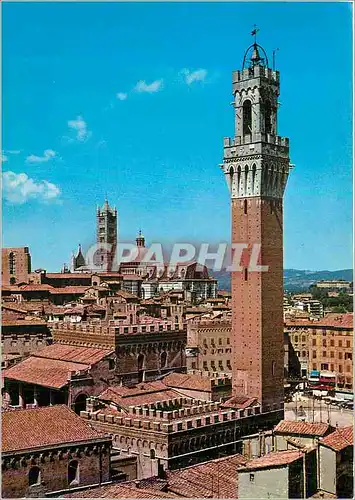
x=199, y=75
x=19, y=188
x=121, y=96
x=3, y=158
x=48, y=154
x=80, y=126
x=155, y=86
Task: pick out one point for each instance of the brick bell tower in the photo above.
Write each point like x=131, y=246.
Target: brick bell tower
x=256, y=165
x=106, y=223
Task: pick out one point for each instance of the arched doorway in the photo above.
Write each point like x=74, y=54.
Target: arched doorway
x=80, y=403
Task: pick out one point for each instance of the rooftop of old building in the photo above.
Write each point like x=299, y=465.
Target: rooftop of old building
x=341, y=438
x=187, y=381
x=120, y=490
x=240, y=402
x=213, y=479
x=330, y=320
x=51, y=366
x=302, y=428
x=276, y=459
x=143, y=394
x=43, y=427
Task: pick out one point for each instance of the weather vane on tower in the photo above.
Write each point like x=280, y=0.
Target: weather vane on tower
x=254, y=32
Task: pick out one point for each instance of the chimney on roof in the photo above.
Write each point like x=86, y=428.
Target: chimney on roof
x=92, y=404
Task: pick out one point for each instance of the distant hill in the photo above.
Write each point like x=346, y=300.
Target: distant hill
x=294, y=279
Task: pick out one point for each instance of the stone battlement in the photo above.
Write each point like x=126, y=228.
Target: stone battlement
x=173, y=421
x=256, y=72
x=213, y=323
x=107, y=332
x=277, y=140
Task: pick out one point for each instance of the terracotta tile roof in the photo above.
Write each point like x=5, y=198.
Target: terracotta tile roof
x=35, y=288
x=51, y=373
x=50, y=366
x=240, y=402
x=273, y=460
x=146, y=397
x=213, y=479
x=120, y=490
x=52, y=309
x=339, y=439
x=46, y=426
x=143, y=388
x=305, y=428
x=125, y=295
x=68, y=275
x=193, y=382
x=339, y=320
x=77, y=289
x=14, y=308
x=34, y=306
x=23, y=322
x=86, y=355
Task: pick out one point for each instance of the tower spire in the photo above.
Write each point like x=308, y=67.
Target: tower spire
x=254, y=33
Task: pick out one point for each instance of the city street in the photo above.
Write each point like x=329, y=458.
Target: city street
x=319, y=412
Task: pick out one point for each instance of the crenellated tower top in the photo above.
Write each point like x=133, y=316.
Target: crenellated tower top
x=256, y=160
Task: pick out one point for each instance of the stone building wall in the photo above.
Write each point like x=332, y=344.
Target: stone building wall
x=257, y=302
x=209, y=346
x=178, y=438
x=24, y=337
x=53, y=465
x=16, y=265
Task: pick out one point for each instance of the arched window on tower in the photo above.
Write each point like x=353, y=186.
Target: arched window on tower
x=253, y=178
x=34, y=476
x=231, y=173
x=267, y=114
x=12, y=263
x=163, y=359
x=73, y=472
x=247, y=118
x=246, y=174
x=239, y=178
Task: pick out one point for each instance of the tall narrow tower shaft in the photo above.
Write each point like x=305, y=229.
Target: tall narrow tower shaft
x=256, y=166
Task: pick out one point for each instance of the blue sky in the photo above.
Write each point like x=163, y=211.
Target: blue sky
x=133, y=100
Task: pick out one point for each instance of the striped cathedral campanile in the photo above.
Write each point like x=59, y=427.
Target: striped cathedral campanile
x=256, y=165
